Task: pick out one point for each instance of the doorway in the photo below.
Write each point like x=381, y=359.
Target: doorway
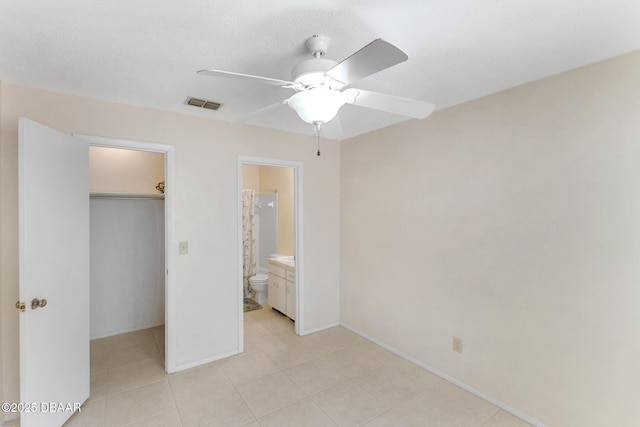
x=271, y=190
x=167, y=234
x=126, y=240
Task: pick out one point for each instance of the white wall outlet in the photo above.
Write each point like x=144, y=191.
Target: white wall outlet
x=183, y=247
x=457, y=344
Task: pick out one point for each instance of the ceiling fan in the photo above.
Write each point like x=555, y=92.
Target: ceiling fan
x=322, y=86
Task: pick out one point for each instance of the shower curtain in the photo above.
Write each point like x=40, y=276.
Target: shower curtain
x=248, y=239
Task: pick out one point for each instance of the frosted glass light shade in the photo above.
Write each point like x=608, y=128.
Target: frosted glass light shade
x=318, y=105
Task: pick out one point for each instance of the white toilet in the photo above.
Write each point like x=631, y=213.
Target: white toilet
x=259, y=284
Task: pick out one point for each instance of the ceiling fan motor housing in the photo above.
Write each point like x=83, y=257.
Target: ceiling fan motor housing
x=310, y=72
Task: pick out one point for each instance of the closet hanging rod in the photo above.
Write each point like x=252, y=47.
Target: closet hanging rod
x=126, y=196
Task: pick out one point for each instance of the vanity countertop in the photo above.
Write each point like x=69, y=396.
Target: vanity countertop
x=285, y=261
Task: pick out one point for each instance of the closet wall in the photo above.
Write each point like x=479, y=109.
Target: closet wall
x=127, y=241
x=113, y=170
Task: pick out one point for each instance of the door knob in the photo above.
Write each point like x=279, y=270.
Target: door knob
x=35, y=303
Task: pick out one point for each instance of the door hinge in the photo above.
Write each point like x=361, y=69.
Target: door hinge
x=20, y=305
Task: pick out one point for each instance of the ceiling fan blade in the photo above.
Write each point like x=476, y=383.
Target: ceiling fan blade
x=248, y=117
x=389, y=103
x=267, y=80
x=376, y=56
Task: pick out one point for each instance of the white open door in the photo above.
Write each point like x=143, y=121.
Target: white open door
x=54, y=266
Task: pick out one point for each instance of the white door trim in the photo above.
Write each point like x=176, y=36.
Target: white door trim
x=170, y=239
x=299, y=252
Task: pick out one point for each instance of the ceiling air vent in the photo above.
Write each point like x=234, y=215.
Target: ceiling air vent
x=202, y=103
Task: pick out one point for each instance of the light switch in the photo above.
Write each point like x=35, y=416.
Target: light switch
x=183, y=247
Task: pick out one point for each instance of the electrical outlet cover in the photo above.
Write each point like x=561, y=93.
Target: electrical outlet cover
x=457, y=344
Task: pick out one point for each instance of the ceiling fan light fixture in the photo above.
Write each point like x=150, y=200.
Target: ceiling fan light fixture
x=317, y=105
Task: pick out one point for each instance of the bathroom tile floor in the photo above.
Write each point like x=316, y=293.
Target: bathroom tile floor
x=333, y=377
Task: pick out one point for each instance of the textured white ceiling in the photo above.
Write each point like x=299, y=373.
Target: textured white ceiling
x=147, y=52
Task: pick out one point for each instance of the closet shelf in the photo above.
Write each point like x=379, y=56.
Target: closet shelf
x=126, y=196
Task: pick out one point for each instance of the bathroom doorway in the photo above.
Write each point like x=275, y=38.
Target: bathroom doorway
x=269, y=240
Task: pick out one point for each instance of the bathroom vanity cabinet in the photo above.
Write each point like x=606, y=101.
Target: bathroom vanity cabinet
x=281, y=291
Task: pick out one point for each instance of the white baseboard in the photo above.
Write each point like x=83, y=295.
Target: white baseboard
x=205, y=361
x=449, y=378
x=322, y=328
x=127, y=330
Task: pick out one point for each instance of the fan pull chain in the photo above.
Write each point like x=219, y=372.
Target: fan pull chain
x=317, y=132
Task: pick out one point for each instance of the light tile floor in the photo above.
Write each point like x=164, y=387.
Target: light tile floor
x=333, y=377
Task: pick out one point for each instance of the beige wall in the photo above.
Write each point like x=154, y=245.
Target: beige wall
x=251, y=177
x=113, y=170
x=512, y=222
x=206, y=152
x=281, y=180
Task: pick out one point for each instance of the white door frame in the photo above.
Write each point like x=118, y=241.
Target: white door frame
x=169, y=227
x=298, y=240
